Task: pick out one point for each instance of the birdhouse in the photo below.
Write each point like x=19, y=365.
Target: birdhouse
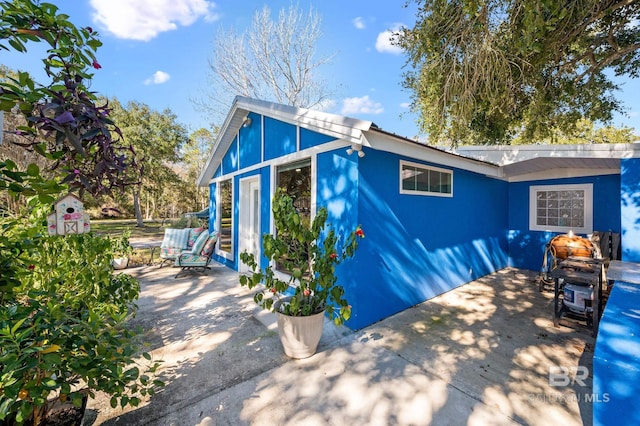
x=68, y=217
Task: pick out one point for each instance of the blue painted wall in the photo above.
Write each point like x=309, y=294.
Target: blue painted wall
x=250, y=142
x=417, y=247
x=526, y=248
x=281, y=138
x=230, y=159
x=630, y=209
x=337, y=191
x=309, y=138
x=616, y=374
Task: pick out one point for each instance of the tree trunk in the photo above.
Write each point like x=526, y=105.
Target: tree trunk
x=136, y=207
x=154, y=208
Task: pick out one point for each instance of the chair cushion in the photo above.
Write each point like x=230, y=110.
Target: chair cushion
x=188, y=259
x=199, y=243
x=169, y=252
x=175, y=238
x=209, y=245
x=194, y=233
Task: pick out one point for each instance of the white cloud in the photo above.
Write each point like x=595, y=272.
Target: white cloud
x=145, y=19
x=405, y=105
x=362, y=105
x=158, y=77
x=359, y=23
x=383, y=42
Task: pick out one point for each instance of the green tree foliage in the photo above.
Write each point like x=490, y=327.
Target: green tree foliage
x=311, y=252
x=195, y=155
x=585, y=132
x=157, y=138
x=486, y=71
x=63, y=323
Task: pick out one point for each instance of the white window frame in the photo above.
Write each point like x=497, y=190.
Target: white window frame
x=226, y=254
x=283, y=161
x=425, y=167
x=588, y=208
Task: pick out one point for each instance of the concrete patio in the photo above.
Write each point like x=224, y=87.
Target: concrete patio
x=479, y=354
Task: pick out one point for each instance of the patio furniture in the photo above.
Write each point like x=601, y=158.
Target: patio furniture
x=198, y=258
x=177, y=240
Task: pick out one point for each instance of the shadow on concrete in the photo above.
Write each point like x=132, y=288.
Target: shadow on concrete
x=479, y=354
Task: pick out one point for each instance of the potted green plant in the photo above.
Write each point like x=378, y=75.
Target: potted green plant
x=121, y=250
x=310, y=253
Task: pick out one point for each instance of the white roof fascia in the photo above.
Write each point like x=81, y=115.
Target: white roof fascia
x=344, y=128
x=228, y=132
x=509, y=154
x=561, y=174
x=349, y=129
x=384, y=141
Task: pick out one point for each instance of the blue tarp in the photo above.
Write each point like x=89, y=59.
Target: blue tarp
x=202, y=214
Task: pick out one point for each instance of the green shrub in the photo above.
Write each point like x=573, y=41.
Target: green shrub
x=63, y=322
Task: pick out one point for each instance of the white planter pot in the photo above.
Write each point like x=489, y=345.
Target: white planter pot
x=300, y=335
x=120, y=262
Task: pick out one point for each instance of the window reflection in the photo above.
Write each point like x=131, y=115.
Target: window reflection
x=295, y=180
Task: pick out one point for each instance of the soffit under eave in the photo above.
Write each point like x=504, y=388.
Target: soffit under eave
x=510, y=154
x=541, y=165
x=227, y=133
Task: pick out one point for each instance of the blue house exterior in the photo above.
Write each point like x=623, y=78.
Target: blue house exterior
x=433, y=219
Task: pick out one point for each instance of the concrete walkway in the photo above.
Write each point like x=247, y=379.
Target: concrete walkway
x=477, y=355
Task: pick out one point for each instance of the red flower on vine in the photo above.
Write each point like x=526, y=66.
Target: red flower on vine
x=360, y=233
x=96, y=65
x=333, y=256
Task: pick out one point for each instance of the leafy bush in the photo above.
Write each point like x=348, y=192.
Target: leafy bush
x=63, y=322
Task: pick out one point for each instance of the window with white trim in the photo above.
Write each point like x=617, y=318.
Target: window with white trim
x=561, y=208
x=225, y=224
x=419, y=179
x=295, y=179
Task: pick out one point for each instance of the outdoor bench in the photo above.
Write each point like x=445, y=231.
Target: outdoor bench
x=198, y=257
x=177, y=240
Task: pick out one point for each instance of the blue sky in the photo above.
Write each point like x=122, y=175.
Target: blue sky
x=157, y=52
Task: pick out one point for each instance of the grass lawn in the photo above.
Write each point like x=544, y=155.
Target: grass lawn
x=152, y=230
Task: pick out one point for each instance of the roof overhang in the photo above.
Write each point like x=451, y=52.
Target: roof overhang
x=507, y=162
x=344, y=128
x=532, y=162
x=385, y=141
